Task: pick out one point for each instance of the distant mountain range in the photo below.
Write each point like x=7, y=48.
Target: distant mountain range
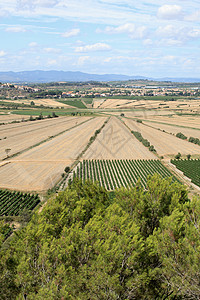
x=55, y=76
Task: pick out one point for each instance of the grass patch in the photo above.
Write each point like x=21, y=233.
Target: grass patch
x=87, y=100
x=76, y=103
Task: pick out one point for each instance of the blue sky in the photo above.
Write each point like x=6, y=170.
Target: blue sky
x=149, y=38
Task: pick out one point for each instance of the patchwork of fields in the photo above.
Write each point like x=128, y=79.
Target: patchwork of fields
x=39, y=151
x=164, y=143
x=116, y=142
x=41, y=167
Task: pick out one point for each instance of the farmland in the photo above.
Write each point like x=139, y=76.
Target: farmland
x=190, y=168
x=18, y=137
x=41, y=167
x=13, y=203
x=165, y=144
x=34, y=154
x=174, y=129
x=113, y=174
x=116, y=142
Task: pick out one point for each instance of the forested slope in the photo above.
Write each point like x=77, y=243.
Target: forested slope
x=87, y=245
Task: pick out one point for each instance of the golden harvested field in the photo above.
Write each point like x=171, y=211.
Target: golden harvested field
x=24, y=135
x=11, y=117
x=116, y=103
x=184, y=120
x=141, y=113
x=97, y=102
x=164, y=143
x=186, y=105
x=40, y=167
x=45, y=102
x=175, y=129
x=31, y=176
x=116, y=142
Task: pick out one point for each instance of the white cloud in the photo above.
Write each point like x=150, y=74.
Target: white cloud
x=32, y=4
x=15, y=29
x=33, y=44
x=147, y=42
x=71, y=33
x=194, y=33
x=51, y=62
x=170, y=12
x=167, y=31
x=169, y=42
x=193, y=17
x=2, y=53
x=93, y=47
x=52, y=50
x=82, y=60
x=177, y=34
x=128, y=28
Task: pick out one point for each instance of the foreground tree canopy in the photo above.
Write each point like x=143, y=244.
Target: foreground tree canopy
x=86, y=244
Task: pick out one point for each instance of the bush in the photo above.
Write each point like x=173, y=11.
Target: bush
x=67, y=169
x=181, y=136
x=178, y=156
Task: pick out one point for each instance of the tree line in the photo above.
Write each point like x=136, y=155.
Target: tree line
x=90, y=244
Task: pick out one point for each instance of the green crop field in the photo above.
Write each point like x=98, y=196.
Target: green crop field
x=12, y=203
x=88, y=100
x=190, y=168
x=75, y=102
x=116, y=173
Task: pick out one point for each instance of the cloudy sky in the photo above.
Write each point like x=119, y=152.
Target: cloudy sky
x=152, y=38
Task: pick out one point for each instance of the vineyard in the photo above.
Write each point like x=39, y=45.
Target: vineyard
x=190, y=168
x=12, y=203
x=113, y=174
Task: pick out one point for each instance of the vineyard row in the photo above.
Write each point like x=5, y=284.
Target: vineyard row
x=12, y=203
x=113, y=174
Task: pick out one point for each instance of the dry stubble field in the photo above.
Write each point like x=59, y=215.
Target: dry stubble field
x=38, y=169
x=173, y=129
x=164, y=143
x=116, y=142
x=24, y=135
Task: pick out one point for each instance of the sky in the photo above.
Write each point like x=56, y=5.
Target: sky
x=152, y=38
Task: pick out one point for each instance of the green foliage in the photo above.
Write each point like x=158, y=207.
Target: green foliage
x=86, y=245
x=75, y=102
x=14, y=203
x=112, y=174
x=145, y=142
x=181, y=136
x=67, y=169
x=178, y=156
x=190, y=168
x=194, y=140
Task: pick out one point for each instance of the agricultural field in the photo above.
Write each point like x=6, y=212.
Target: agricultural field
x=73, y=103
x=116, y=142
x=18, y=137
x=189, y=121
x=8, y=118
x=39, y=168
x=190, y=168
x=152, y=103
x=97, y=102
x=173, y=129
x=12, y=203
x=45, y=102
x=113, y=174
x=165, y=144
